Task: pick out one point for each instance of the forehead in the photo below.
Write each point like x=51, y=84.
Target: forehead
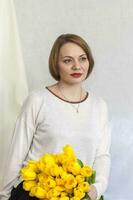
x=71, y=49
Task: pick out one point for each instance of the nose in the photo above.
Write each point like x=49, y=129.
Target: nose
x=76, y=65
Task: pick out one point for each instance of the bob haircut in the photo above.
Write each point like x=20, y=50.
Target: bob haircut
x=54, y=54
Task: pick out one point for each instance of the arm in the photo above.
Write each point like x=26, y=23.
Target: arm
x=102, y=158
x=20, y=145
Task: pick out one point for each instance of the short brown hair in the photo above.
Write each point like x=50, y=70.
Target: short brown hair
x=54, y=54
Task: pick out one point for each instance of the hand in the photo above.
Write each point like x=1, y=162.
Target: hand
x=92, y=192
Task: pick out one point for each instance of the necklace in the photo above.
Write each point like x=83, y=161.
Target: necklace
x=75, y=107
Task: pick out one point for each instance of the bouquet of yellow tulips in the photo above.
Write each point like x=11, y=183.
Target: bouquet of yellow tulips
x=58, y=177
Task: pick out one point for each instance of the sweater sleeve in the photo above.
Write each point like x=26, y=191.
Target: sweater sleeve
x=20, y=144
x=102, y=159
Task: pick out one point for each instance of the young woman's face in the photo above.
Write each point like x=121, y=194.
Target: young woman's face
x=73, y=63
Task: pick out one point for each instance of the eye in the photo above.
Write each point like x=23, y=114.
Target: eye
x=67, y=61
x=82, y=59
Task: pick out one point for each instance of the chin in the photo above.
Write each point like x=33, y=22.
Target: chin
x=78, y=81
x=71, y=80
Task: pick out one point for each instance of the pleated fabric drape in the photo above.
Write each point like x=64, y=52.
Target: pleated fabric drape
x=13, y=83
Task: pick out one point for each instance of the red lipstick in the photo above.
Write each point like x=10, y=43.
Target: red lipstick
x=76, y=75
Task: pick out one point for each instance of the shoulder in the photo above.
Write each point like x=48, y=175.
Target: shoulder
x=99, y=101
x=100, y=106
x=35, y=99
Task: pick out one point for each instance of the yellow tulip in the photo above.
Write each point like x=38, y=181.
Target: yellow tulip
x=60, y=188
x=57, y=158
x=64, y=198
x=55, y=170
x=70, y=182
x=59, y=181
x=41, y=165
x=85, y=186
x=48, y=159
x=75, y=198
x=28, y=174
x=56, y=176
x=52, y=193
x=54, y=198
x=32, y=191
x=56, y=192
x=86, y=171
x=79, y=193
x=27, y=185
x=50, y=182
x=47, y=170
x=69, y=191
x=62, y=158
x=63, y=194
x=80, y=178
x=42, y=177
x=68, y=150
x=32, y=164
x=74, y=168
x=64, y=175
x=38, y=192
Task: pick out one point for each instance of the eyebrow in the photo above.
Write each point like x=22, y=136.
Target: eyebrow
x=83, y=55
x=72, y=57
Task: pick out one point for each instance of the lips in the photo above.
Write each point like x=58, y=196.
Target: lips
x=76, y=75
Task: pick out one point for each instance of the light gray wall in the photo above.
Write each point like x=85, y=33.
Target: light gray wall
x=108, y=27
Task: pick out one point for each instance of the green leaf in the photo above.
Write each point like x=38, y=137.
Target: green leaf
x=102, y=198
x=80, y=163
x=86, y=197
x=92, y=178
x=88, y=179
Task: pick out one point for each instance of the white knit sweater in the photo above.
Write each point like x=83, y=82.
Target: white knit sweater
x=46, y=123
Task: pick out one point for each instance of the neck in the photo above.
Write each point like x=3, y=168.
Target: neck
x=72, y=92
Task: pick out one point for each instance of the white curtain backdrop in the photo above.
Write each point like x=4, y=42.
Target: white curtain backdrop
x=108, y=27
x=13, y=84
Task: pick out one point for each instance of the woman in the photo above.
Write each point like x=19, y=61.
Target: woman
x=63, y=113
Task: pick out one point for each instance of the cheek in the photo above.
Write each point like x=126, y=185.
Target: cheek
x=85, y=68
x=63, y=70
